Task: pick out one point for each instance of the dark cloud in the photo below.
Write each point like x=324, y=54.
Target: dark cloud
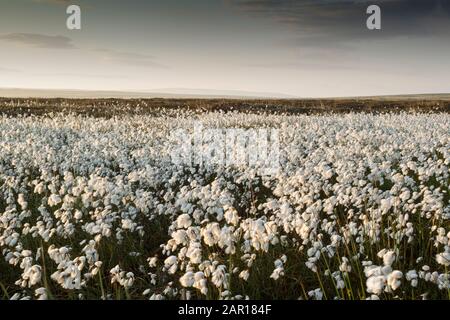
x=318, y=22
x=39, y=40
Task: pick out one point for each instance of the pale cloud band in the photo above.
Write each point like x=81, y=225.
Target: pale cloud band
x=39, y=40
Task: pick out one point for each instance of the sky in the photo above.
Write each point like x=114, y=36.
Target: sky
x=310, y=48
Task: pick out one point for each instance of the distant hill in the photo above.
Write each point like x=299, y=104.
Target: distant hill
x=434, y=96
x=162, y=93
x=181, y=93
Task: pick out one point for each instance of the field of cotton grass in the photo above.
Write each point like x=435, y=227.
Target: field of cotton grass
x=95, y=208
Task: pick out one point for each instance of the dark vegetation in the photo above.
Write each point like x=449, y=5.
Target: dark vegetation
x=116, y=107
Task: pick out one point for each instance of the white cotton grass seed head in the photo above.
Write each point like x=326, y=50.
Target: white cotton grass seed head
x=184, y=221
x=443, y=258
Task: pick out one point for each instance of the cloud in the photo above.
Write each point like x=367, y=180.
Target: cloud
x=84, y=75
x=61, y=42
x=39, y=40
x=301, y=65
x=128, y=58
x=9, y=70
x=84, y=4
x=311, y=58
x=54, y=1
